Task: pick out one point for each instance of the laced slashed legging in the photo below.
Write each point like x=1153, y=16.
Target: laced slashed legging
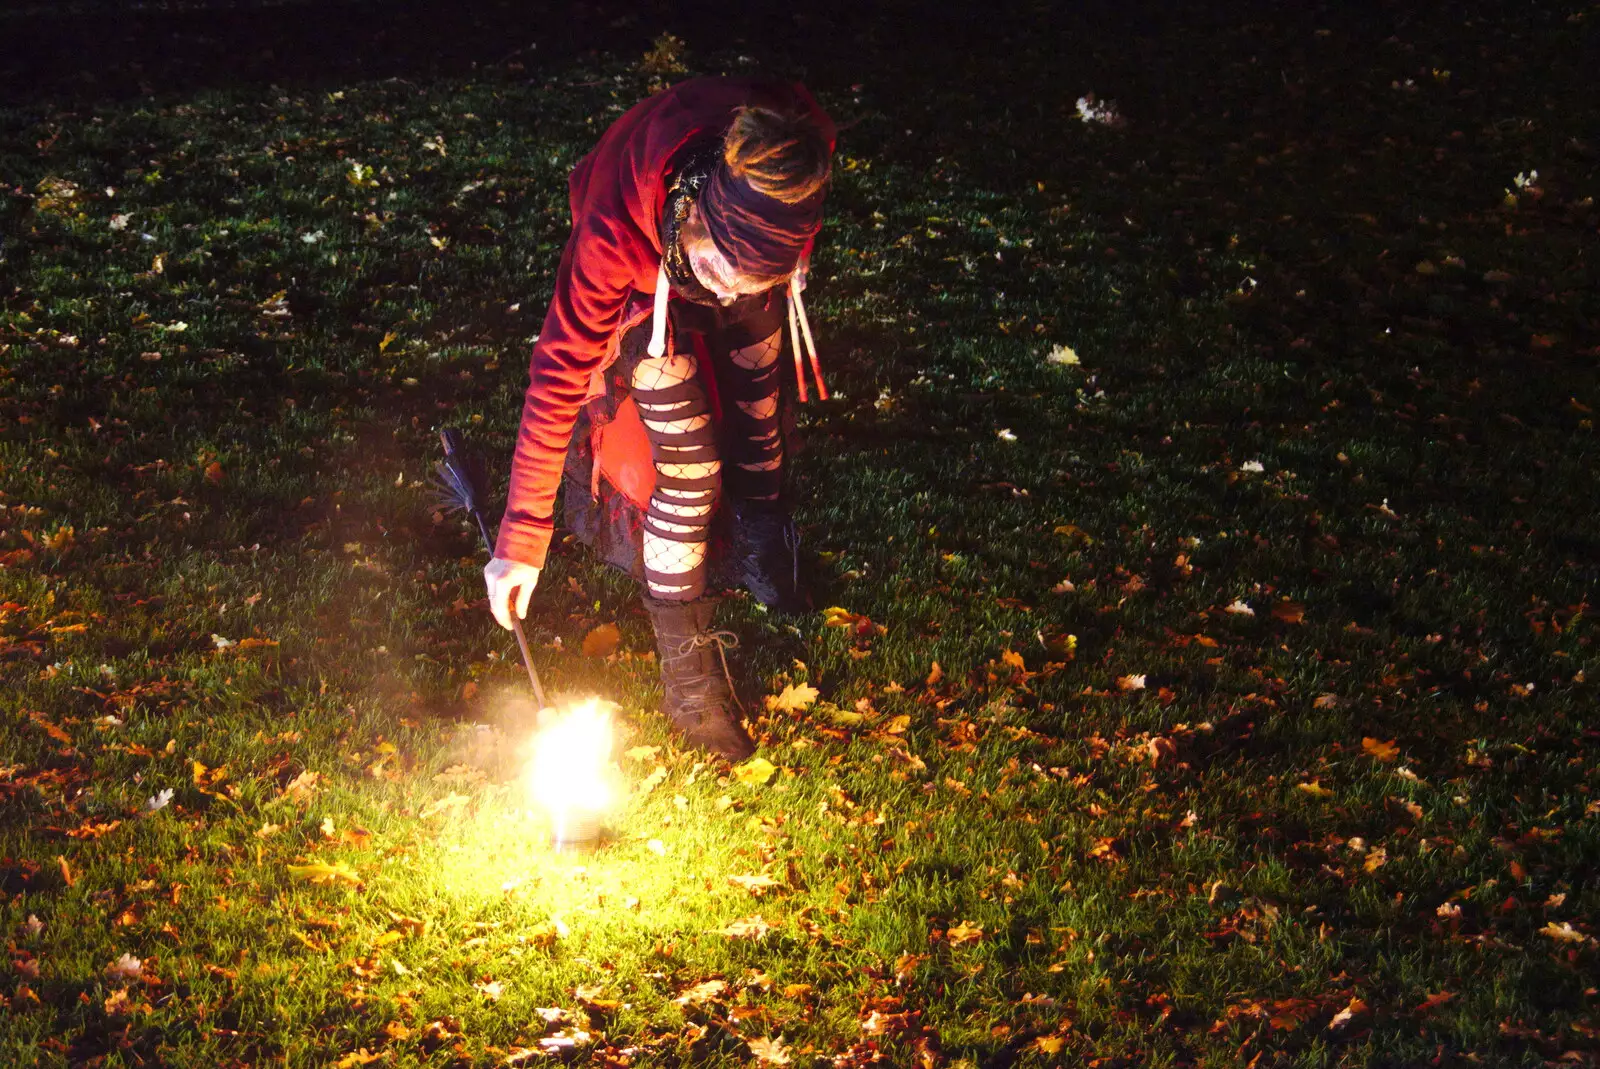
x=677, y=419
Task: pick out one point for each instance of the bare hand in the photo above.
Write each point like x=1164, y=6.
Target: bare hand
x=509, y=582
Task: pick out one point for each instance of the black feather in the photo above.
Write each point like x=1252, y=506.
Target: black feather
x=460, y=480
x=457, y=488
x=461, y=483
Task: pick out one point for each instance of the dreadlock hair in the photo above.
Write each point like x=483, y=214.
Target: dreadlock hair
x=782, y=155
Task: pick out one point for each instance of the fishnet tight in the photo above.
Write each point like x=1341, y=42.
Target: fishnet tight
x=678, y=520
x=756, y=445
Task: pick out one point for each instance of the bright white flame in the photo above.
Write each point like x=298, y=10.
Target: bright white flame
x=568, y=775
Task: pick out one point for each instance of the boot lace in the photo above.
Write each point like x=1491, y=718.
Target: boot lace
x=700, y=703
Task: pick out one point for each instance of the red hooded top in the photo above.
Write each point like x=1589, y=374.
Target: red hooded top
x=617, y=192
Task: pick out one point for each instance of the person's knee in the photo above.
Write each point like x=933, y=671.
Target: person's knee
x=656, y=372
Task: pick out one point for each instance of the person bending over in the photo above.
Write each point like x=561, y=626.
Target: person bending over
x=654, y=386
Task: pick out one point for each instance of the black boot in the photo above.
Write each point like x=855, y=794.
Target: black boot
x=766, y=554
x=696, y=697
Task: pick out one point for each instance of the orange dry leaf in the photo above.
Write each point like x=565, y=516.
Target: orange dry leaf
x=602, y=641
x=1289, y=612
x=323, y=872
x=905, y=966
x=769, y=1051
x=1382, y=751
x=1434, y=1001
x=302, y=785
x=751, y=927
x=1104, y=849
x=963, y=933
x=793, y=699
x=754, y=772
x=449, y=801
x=757, y=885
x=704, y=991
x=50, y=728
x=1344, y=1016
x=935, y=674
x=854, y=622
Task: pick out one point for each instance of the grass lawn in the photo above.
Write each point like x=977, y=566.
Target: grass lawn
x=1206, y=516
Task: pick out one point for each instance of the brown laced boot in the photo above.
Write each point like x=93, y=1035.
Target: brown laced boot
x=696, y=694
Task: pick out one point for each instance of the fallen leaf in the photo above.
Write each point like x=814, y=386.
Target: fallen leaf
x=751, y=927
x=935, y=674
x=704, y=991
x=492, y=990
x=1161, y=749
x=254, y=644
x=323, y=872
x=769, y=1051
x=905, y=967
x=1382, y=751
x=1434, y=1001
x=754, y=772
x=652, y=781
x=125, y=969
x=449, y=801
x=302, y=785
x=641, y=753
x=359, y=1057
x=793, y=699
x=1289, y=612
x=757, y=884
x=1315, y=789
x=1049, y=1044
x=963, y=933
x=855, y=622
x=1563, y=932
x=602, y=641
x=1346, y=1015
x=1130, y=683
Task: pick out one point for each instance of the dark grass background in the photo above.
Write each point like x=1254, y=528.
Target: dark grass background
x=1298, y=252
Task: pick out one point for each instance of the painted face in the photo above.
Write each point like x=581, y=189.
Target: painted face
x=711, y=268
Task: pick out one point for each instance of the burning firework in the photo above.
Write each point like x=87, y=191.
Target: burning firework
x=571, y=776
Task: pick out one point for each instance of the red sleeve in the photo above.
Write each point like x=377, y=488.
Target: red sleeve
x=592, y=286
